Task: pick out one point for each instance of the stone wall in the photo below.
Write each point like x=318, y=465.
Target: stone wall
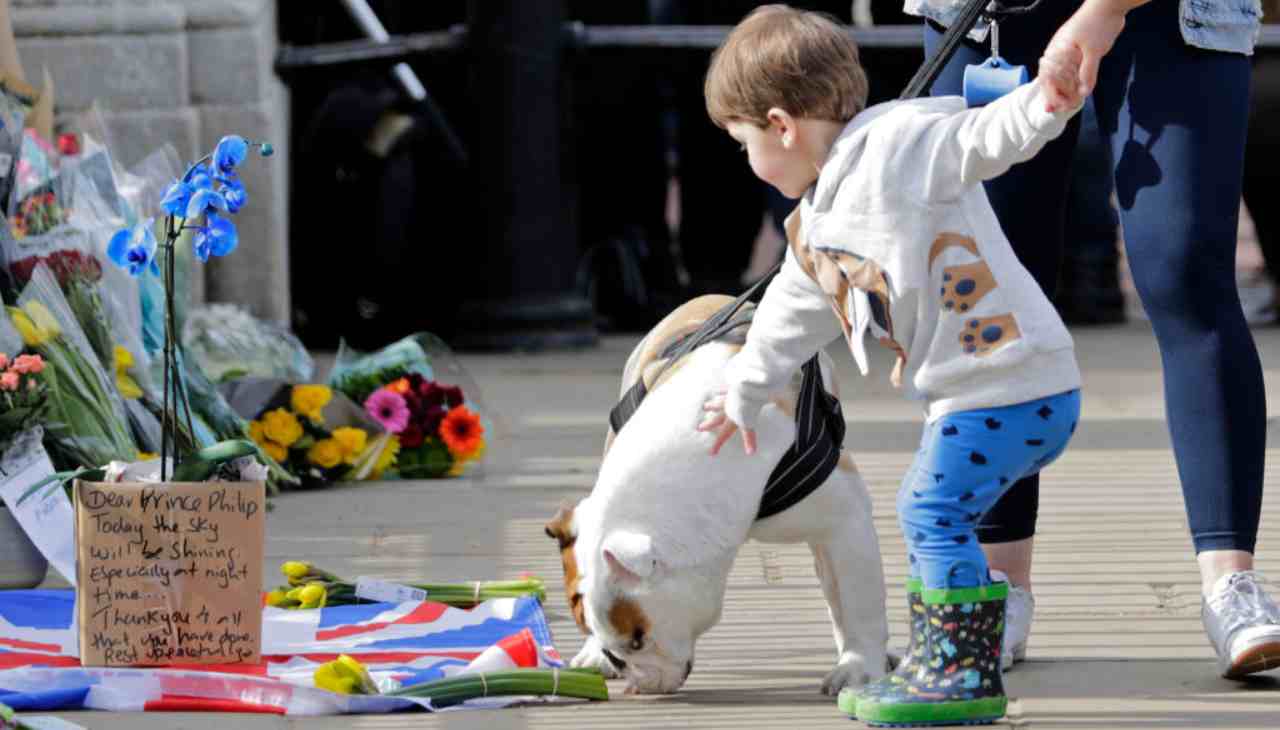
x=184, y=72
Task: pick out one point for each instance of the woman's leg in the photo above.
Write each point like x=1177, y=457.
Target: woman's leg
x=1178, y=160
x=1024, y=198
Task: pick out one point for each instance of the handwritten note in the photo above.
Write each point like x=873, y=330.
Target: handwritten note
x=47, y=516
x=169, y=573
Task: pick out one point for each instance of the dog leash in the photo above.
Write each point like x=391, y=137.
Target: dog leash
x=819, y=418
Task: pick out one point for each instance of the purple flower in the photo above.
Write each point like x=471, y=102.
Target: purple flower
x=229, y=153
x=389, y=409
x=217, y=238
x=134, y=248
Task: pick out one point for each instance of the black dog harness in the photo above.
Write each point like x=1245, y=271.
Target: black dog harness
x=820, y=424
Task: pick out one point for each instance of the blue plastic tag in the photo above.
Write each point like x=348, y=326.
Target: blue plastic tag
x=993, y=78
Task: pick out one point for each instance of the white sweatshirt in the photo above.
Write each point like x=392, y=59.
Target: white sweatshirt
x=897, y=237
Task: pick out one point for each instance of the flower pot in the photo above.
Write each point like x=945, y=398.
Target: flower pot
x=21, y=564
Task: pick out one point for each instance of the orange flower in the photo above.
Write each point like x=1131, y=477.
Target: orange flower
x=461, y=430
x=400, y=386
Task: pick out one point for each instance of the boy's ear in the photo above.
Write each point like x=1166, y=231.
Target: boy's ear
x=783, y=124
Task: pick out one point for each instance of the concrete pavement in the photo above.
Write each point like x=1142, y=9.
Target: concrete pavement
x=1117, y=641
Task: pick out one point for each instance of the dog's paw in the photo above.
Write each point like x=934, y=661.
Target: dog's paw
x=592, y=658
x=850, y=671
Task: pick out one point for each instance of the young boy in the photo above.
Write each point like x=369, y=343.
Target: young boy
x=894, y=235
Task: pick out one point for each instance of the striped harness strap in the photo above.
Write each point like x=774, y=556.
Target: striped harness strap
x=820, y=424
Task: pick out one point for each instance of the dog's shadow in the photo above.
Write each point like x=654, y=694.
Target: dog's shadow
x=760, y=687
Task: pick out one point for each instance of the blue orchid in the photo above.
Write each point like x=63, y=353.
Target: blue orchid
x=134, y=248
x=206, y=201
x=176, y=198
x=229, y=153
x=217, y=238
x=234, y=193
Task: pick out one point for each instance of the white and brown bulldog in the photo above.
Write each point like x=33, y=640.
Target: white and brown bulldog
x=647, y=554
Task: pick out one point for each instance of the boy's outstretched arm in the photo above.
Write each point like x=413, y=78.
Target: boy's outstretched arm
x=794, y=320
x=957, y=150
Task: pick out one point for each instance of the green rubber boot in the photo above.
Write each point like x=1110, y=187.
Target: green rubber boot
x=954, y=678
x=848, y=699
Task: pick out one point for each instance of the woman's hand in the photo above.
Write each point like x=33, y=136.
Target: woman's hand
x=1091, y=31
x=715, y=419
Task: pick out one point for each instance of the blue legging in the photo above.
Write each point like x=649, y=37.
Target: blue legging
x=965, y=462
x=1176, y=118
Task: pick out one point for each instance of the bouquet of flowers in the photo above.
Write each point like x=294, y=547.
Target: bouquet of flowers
x=291, y=429
x=313, y=587
x=86, y=420
x=438, y=435
x=24, y=394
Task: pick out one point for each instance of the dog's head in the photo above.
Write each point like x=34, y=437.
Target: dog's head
x=645, y=613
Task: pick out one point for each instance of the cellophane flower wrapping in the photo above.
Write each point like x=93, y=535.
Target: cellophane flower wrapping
x=12, y=116
x=315, y=432
x=229, y=343
x=87, y=418
x=418, y=391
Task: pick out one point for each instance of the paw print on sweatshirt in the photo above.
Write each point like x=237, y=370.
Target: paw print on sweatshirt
x=982, y=336
x=964, y=285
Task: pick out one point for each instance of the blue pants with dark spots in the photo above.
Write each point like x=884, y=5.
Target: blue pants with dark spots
x=965, y=462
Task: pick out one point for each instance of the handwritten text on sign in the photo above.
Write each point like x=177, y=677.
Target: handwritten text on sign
x=169, y=573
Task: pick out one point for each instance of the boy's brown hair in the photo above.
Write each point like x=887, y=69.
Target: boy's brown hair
x=799, y=61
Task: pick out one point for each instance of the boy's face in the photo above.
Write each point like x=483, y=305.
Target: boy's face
x=774, y=156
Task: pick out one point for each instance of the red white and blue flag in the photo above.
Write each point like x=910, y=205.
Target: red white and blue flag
x=409, y=642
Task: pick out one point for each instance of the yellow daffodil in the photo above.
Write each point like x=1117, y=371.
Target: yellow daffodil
x=125, y=383
x=346, y=676
x=295, y=570
x=257, y=433
x=276, y=451
x=313, y=595
x=387, y=458
x=282, y=427
x=352, y=441
x=326, y=453
x=310, y=400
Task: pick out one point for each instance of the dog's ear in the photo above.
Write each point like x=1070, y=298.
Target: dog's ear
x=629, y=555
x=560, y=528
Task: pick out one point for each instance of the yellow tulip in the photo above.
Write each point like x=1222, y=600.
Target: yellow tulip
x=294, y=594
x=329, y=677
x=313, y=595
x=43, y=318
x=310, y=400
x=32, y=334
x=282, y=427
x=277, y=598
x=295, y=569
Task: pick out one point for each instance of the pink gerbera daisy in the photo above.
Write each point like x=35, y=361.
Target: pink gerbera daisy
x=389, y=409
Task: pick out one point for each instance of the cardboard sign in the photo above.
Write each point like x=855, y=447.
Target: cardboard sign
x=169, y=573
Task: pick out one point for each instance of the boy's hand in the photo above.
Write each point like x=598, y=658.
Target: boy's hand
x=1060, y=78
x=715, y=419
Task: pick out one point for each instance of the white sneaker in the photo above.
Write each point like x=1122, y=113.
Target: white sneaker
x=1243, y=624
x=1018, y=611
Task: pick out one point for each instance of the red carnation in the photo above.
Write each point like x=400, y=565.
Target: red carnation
x=431, y=393
x=432, y=418
x=68, y=144
x=452, y=395
x=412, y=436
